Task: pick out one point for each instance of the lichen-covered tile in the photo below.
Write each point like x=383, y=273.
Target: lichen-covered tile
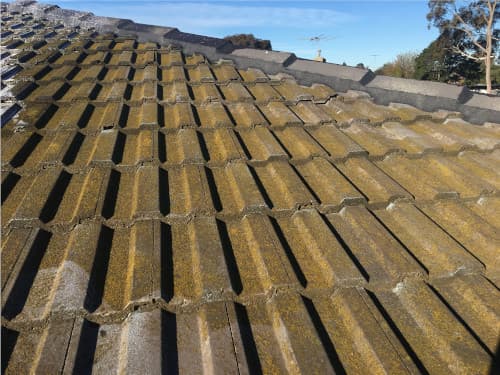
x=371, y=181
x=329, y=185
x=82, y=198
x=200, y=269
x=206, y=92
x=225, y=73
x=189, y=191
x=148, y=73
x=298, y=143
x=125, y=45
x=440, y=341
x=149, y=190
x=461, y=179
x=144, y=91
x=145, y=58
x=482, y=137
x=323, y=261
x=336, y=143
x=343, y=115
x=118, y=346
x=35, y=115
x=178, y=116
x=62, y=73
x=86, y=148
x=50, y=152
x=120, y=199
x=376, y=114
x=417, y=176
x=447, y=140
x=120, y=268
x=293, y=92
x=246, y=115
x=13, y=246
x=184, y=147
x=115, y=91
x=321, y=93
x=138, y=148
x=170, y=58
x=235, y=92
x=222, y=146
x=117, y=73
x=88, y=73
x=44, y=196
x=200, y=73
x=70, y=58
x=206, y=341
x=287, y=339
x=95, y=58
x=262, y=145
x=409, y=140
x=264, y=92
x=194, y=59
x=103, y=151
x=311, y=113
x=472, y=231
x=283, y=186
x=355, y=328
x=488, y=209
x=382, y=258
x=237, y=189
x=37, y=266
x=372, y=139
x=61, y=274
x=12, y=200
x=253, y=75
x=175, y=92
x=481, y=166
x=173, y=74
x=278, y=114
x=101, y=45
x=407, y=113
x=261, y=260
x=143, y=115
x=476, y=301
x=49, y=92
x=213, y=115
x=97, y=118
x=19, y=147
x=39, y=351
x=439, y=253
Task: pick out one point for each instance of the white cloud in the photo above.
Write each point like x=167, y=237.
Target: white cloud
x=203, y=15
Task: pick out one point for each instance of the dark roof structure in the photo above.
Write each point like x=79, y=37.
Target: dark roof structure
x=173, y=204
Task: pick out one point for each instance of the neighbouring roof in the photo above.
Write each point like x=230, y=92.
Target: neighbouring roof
x=173, y=204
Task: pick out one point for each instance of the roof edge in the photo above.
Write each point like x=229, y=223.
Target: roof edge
x=425, y=95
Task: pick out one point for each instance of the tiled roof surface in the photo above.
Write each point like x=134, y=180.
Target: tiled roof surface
x=163, y=212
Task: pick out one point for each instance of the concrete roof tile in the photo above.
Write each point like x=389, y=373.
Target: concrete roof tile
x=200, y=208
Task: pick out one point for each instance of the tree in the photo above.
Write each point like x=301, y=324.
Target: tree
x=471, y=26
x=403, y=66
x=249, y=41
x=438, y=62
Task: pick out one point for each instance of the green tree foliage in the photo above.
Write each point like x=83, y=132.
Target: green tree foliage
x=403, y=66
x=249, y=41
x=438, y=62
x=471, y=26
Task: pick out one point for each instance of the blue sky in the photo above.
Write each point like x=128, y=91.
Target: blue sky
x=370, y=32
